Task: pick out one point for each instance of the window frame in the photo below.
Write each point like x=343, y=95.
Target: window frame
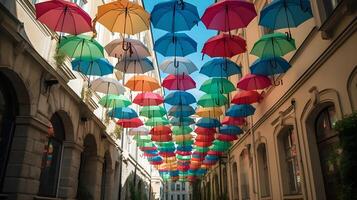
x=265, y=170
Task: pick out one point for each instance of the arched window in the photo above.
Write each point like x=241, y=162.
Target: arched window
x=51, y=160
x=263, y=170
x=224, y=182
x=216, y=187
x=235, y=189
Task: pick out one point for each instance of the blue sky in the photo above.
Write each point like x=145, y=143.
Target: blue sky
x=199, y=33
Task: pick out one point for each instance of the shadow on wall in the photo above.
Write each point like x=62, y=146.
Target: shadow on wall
x=136, y=191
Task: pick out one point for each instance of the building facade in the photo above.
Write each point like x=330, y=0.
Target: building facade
x=289, y=149
x=177, y=191
x=54, y=141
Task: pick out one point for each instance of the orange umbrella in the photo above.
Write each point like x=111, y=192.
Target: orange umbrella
x=142, y=83
x=210, y=112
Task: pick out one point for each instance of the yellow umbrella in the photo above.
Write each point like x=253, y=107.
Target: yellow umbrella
x=210, y=112
x=142, y=83
x=181, y=138
x=123, y=16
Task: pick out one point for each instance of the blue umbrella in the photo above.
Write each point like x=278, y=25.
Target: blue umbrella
x=173, y=16
x=208, y=123
x=212, y=158
x=98, y=67
x=220, y=67
x=181, y=111
x=182, y=121
x=269, y=66
x=155, y=159
x=184, y=148
x=242, y=110
x=166, y=149
x=123, y=113
x=180, y=98
x=175, y=44
x=230, y=130
x=174, y=173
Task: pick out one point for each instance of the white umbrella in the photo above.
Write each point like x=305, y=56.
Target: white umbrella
x=139, y=131
x=178, y=65
x=128, y=48
x=107, y=85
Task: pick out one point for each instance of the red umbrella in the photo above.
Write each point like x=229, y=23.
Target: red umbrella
x=227, y=138
x=147, y=148
x=183, y=167
x=205, y=138
x=63, y=16
x=178, y=82
x=161, y=138
x=214, y=153
x=156, y=162
x=167, y=154
x=254, y=82
x=130, y=123
x=228, y=15
x=148, y=99
x=146, y=154
x=203, y=131
x=246, y=97
x=160, y=130
x=234, y=121
x=203, y=144
x=224, y=45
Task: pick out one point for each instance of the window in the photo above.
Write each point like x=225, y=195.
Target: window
x=178, y=187
x=172, y=186
x=172, y=197
x=263, y=171
x=183, y=186
x=243, y=168
x=235, y=188
x=224, y=180
x=216, y=187
x=183, y=197
x=178, y=197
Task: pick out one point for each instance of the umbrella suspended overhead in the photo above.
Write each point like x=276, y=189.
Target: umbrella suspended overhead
x=178, y=82
x=217, y=85
x=202, y=130
x=142, y=83
x=181, y=130
x=178, y=66
x=134, y=66
x=228, y=15
x=212, y=100
x=175, y=44
x=180, y=98
x=208, y=123
x=233, y=121
x=229, y=130
x=242, y=110
x=157, y=121
x=107, y=86
x=123, y=113
x=182, y=121
x=174, y=15
x=98, y=67
x=130, y=123
x=63, y=16
x=253, y=82
x=148, y=99
x=139, y=131
x=269, y=66
x=160, y=130
x=209, y=112
x=152, y=111
x=246, y=97
x=82, y=47
x=133, y=49
x=181, y=111
x=224, y=45
x=114, y=101
x=220, y=67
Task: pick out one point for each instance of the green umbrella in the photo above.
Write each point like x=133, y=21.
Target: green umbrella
x=152, y=111
x=185, y=142
x=177, y=130
x=146, y=144
x=114, y=101
x=157, y=121
x=183, y=157
x=201, y=149
x=273, y=45
x=82, y=47
x=165, y=144
x=217, y=85
x=212, y=100
x=142, y=138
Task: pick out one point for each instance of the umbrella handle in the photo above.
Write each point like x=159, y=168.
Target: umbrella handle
x=93, y=27
x=305, y=9
x=176, y=63
x=216, y=101
x=181, y=3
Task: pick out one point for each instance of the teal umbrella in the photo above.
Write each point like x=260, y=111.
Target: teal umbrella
x=82, y=47
x=114, y=101
x=157, y=121
x=217, y=85
x=152, y=111
x=212, y=100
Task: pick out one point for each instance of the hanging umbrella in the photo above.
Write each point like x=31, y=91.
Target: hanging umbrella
x=178, y=82
x=212, y=100
x=142, y=138
x=152, y=111
x=142, y=83
x=246, y=97
x=98, y=67
x=161, y=138
x=208, y=123
x=269, y=66
x=180, y=98
x=229, y=15
x=123, y=17
x=185, y=142
x=139, y=131
x=107, y=86
x=224, y=45
x=182, y=138
x=181, y=130
x=229, y=130
x=202, y=130
x=183, y=153
x=182, y=121
x=156, y=121
x=202, y=146
x=220, y=67
x=273, y=45
x=181, y=111
x=130, y=123
x=178, y=66
x=148, y=99
x=217, y=85
x=160, y=130
x=285, y=14
x=133, y=49
x=233, y=121
x=174, y=16
x=114, y=101
x=134, y=66
x=242, y=110
x=123, y=113
x=210, y=112
x=63, y=16
x=205, y=138
x=226, y=138
x=175, y=44
x=253, y=82
x=185, y=148
x=82, y=47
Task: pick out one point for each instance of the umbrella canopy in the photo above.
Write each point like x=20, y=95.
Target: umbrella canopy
x=148, y=99
x=98, y=67
x=133, y=49
x=114, y=101
x=182, y=121
x=139, y=131
x=246, y=97
x=123, y=17
x=273, y=45
x=180, y=98
x=175, y=44
x=177, y=66
x=161, y=138
x=174, y=16
x=224, y=45
x=233, y=121
x=160, y=130
x=212, y=100
x=220, y=67
x=178, y=138
x=63, y=16
x=134, y=66
x=226, y=138
x=205, y=138
x=82, y=47
x=242, y=110
x=178, y=82
x=217, y=85
x=203, y=131
x=209, y=112
x=181, y=129
x=181, y=111
x=185, y=148
x=142, y=83
x=202, y=146
x=123, y=113
x=156, y=121
x=228, y=15
x=130, y=123
x=230, y=130
x=152, y=111
x=107, y=85
x=269, y=66
x=253, y=82
x=208, y=123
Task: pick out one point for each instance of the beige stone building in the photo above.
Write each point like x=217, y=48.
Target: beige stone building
x=39, y=98
x=177, y=191
x=288, y=148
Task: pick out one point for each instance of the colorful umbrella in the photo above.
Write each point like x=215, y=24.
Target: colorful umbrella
x=224, y=45
x=114, y=101
x=208, y=123
x=98, y=67
x=205, y=138
x=148, y=99
x=220, y=67
x=242, y=110
x=180, y=98
x=178, y=82
x=161, y=138
x=123, y=113
x=107, y=85
x=229, y=130
x=210, y=112
x=175, y=44
x=181, y=129
x=246, y=97
x=181, y=111
x=178, y=66
x=82, y=47
x=63, y=16
x=129, y=48
x=139, y=131
x=233, y=121
x=228, y=15
x=185, y=148
x=139, y=66
x=269, y=66
x=152, y=111
x=226, y=138
x=253, y=82
x=142, y=83
x=156, y=121
x=160, y=130
x=217, y=85
x=182, y=121
x=212, y=100
x=174, y=16
x=182, y=138
x=130, y=123
x=202, y=130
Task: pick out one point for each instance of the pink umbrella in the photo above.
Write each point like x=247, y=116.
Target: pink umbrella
x=254, y=82
x=178, y=82
x=224, y=45
x=227, y=15
x=148, y=99
x=63, y=16
x=246, y=97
